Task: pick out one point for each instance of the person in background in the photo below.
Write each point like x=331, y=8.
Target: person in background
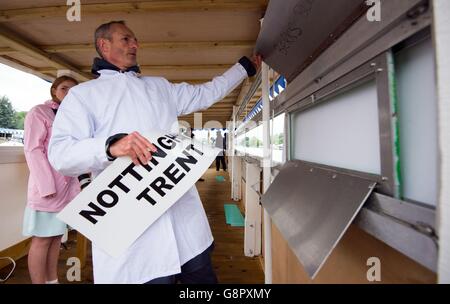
x=225, y=143
x=221, y=156
x=48, y=191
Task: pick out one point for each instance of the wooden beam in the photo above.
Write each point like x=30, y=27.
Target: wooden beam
x=232, y=100
x=13, y=41
x=134, y=7
x=190, y=81
x=223, y=117
x=224, y=103
x=16, y=252
x=216, y=114
x=204, y=114
x=191, y=122
x=206, y=118
x=221, y=106
x=223, y=110
x=234, y=94
x=244, y=89
x=159, y=69
x=229, y=99
x=7, y=51
x=21, y=66
x=175, y=45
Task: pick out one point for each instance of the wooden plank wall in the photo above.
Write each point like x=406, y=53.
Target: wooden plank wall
x=347, y=263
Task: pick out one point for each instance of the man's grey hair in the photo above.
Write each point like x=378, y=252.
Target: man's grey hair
x=104, y=31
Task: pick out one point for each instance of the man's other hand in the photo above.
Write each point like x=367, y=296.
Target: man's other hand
x=135, y=146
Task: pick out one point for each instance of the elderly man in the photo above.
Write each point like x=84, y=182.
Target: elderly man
x=103, y=118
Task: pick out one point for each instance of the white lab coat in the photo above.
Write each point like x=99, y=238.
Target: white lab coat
x=122, y=103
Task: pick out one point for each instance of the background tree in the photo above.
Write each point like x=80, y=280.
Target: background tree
x=278, y=139
x=7, y=114
x=20, y=118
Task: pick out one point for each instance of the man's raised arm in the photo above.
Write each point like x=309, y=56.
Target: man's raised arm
x=192, y=98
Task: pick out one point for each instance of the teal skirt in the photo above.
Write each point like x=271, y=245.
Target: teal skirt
x=42, y=224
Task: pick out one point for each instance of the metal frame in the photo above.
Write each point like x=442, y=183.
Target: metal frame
x=257, y=119
x=254, y=87
x=348, y=53
x=407, y=227
x=387, y=124
x=404, y=226
x=384, y=216
x=441, y=28
x=377, y=70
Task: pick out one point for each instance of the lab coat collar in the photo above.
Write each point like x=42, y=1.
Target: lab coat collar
x=101, y=65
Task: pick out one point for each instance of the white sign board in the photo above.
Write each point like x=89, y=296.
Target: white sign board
x=124, y=200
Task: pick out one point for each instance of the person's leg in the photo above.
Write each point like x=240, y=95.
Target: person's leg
x=52, y=259
x=224, y=164
x=37, y=259
x=198, y=270
x=217, y=163
x=222, y=159
x=164, y=280
x=203, y=275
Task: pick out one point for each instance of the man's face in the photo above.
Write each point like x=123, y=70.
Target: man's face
x=121, y=50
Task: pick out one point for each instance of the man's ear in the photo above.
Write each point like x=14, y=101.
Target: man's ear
x=104, y=45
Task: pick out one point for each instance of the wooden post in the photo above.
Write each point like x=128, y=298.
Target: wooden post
x=82, y=242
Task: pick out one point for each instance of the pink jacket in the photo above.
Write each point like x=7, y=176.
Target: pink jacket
x=44, y=180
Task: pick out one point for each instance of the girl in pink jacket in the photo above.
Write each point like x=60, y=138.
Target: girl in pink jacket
x=48, y=190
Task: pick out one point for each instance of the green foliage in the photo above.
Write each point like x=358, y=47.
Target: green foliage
x=7, y=114
x=278, y=139
x=20, y=118
x=255, y=142
x=9, y=118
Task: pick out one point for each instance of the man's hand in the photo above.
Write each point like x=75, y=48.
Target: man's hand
x=257, y=60
x=135, y=146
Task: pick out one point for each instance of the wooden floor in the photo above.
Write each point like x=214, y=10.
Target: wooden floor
x=229, y=262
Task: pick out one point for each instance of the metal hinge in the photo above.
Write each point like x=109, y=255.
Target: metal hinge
x=427, y=230
x=418, y=10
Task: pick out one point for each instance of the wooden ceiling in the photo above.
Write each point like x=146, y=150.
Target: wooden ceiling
x=181, y=40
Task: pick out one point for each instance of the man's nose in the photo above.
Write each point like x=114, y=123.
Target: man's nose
x=134, y=44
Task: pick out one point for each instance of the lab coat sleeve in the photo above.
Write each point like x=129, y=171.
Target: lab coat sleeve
x=73, y=150
x=192, y=98
x=34, y=149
